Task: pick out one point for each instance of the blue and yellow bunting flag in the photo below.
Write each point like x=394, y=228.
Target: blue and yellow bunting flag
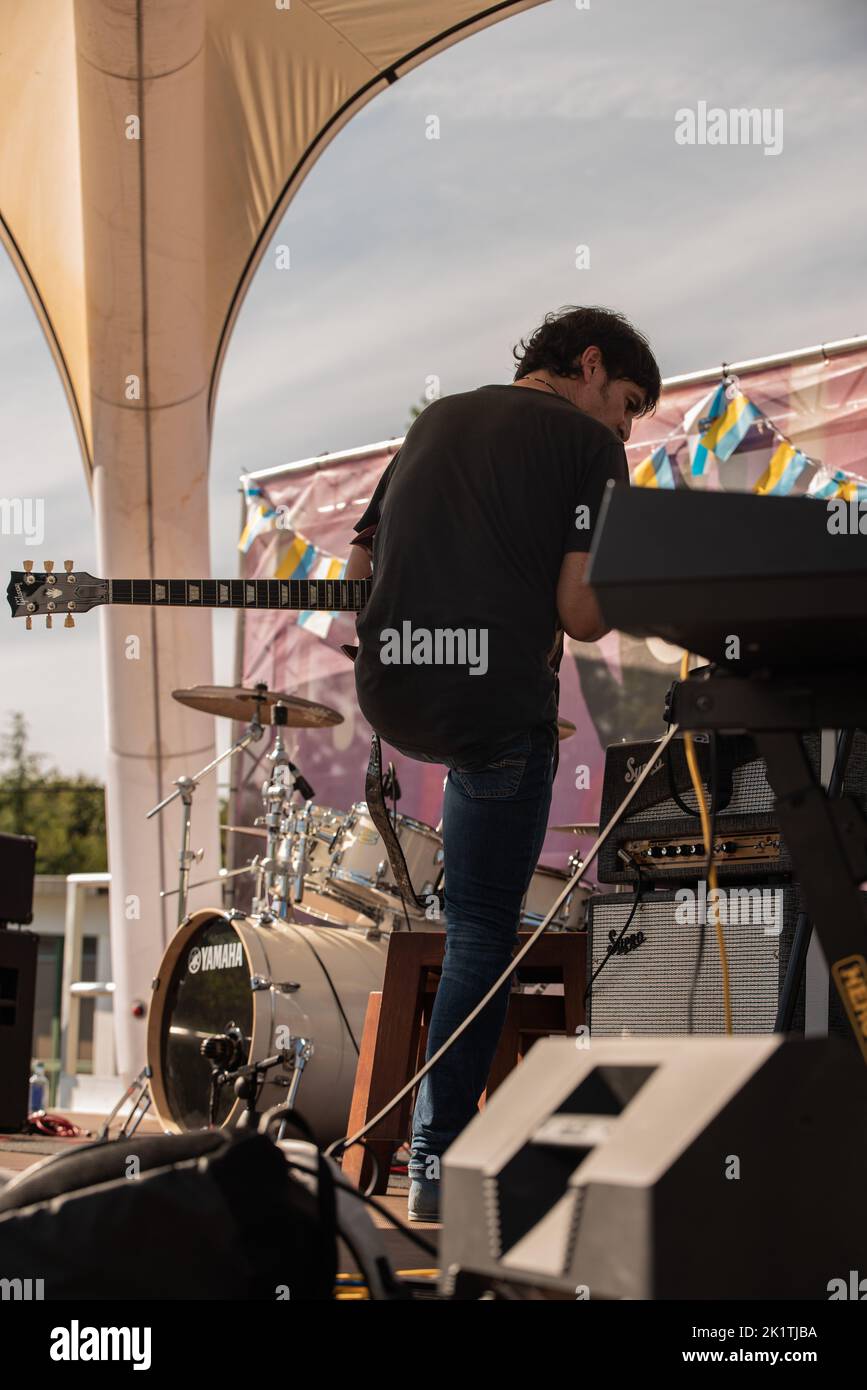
x=730, y=427
x=698, y=451
x=655, y=471
x=301, y=559
x=784, y=469
x=259, y=516
x=837, y=484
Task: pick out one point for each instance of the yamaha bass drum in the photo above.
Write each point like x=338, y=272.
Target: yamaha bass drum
x=250, y=986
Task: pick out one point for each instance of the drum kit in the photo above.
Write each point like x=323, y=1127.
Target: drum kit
x=244, y=1002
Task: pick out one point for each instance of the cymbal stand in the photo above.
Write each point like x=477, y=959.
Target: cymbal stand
x=184, y=788
x=274, y=896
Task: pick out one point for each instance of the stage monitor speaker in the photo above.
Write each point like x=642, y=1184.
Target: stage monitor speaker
x=17, y=998
x=17, y=872
x=662, y=1168
x=644, y=986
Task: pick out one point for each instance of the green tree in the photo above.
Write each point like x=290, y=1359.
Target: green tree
x=415, y=411
x=66, y=815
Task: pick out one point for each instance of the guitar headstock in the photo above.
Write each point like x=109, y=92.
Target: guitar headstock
x=34, y=593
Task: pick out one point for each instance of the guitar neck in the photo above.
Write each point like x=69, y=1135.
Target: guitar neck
x=329, y=595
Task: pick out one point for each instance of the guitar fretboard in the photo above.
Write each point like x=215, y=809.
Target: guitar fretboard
x=329, y=595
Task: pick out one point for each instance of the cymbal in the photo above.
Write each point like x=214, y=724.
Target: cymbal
x=579, y=828
x=237, y=702
x=565, y=728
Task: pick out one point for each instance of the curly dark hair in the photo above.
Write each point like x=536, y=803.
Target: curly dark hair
x=564, y=335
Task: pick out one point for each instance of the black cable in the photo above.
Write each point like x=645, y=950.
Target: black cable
x=612, y=949
x=675, y=794
x=331, y=985
x=377, y=1206
x=291, y=1117
x=715, y=790
x=371, y=1186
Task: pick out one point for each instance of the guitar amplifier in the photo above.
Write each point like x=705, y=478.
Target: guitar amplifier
x=644, y=987
x=656, y=836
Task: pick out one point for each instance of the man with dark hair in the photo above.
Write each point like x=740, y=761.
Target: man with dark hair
x=479, y=532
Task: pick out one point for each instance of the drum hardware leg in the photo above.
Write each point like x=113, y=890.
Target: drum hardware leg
x=296, y=1061
x=135, y=1116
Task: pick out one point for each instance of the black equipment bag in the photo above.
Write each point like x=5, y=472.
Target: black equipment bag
x=208, y=1215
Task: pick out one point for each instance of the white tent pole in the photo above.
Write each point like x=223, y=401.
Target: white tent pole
x=145, y=273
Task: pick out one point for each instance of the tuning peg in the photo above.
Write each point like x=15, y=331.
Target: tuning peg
x=67, y=565
x=69, y=621
x=49, y=566
x=48, y=622
x=28, y=566
x=28, y=623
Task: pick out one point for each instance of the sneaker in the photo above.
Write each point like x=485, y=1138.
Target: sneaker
x=424, y=1200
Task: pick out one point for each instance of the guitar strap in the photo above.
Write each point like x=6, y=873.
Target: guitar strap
x=382, y=820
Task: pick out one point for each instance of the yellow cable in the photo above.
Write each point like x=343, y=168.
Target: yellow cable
x=692, y=764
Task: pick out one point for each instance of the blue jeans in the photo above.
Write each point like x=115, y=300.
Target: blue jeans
x=494, y=823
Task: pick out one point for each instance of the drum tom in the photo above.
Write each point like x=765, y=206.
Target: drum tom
x=545, y=887
x=360, y=867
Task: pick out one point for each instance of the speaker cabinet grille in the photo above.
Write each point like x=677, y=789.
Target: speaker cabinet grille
x=645, y=990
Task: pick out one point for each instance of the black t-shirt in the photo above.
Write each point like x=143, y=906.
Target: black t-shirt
x=459, y=642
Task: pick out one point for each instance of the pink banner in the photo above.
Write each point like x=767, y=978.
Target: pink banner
x=610, y=690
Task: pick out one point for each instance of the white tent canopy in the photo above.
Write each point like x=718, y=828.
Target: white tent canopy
x=148, y=152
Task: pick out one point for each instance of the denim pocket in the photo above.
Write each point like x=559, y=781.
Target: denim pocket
x=500, y=778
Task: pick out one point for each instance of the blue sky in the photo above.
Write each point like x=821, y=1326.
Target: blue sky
x=414, y=257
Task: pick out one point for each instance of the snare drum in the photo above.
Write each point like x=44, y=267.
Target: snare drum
x=546, y=885
x=359, y=865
